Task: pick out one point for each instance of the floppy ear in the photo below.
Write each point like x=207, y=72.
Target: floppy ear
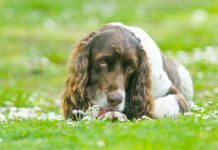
x=74, y=96
x=140, y=100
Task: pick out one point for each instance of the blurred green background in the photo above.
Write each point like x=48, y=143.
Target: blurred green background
x=37, y=37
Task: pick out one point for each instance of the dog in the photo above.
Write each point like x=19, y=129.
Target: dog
x=121, y=69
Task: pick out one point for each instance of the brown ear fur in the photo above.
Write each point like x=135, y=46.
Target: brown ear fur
x=140, y=98
x=74, y=96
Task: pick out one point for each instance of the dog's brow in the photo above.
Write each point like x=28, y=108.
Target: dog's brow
x=108, y=53
x=100, y=55
x=116, y=49
x=130, y=54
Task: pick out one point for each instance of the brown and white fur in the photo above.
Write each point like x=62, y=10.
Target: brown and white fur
x=153, y=86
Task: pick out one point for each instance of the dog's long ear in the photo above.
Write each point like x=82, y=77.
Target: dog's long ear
x=140, y=100
x=74, y=96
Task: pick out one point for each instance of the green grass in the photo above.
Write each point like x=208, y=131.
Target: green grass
x=36, y=40
x=183, y=133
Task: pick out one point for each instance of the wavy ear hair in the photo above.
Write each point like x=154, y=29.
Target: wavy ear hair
x=74, y=96
x=140, y=101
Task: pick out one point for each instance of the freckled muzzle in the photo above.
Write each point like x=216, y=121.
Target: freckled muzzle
x=115, y=102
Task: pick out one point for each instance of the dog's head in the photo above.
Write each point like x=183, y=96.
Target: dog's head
x=109, y=68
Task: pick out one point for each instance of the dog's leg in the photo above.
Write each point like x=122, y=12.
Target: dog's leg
x=170, y=105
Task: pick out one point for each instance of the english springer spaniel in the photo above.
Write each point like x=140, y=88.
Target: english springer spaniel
x=120, y=69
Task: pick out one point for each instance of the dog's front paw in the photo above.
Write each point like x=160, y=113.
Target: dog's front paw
x=114, y=115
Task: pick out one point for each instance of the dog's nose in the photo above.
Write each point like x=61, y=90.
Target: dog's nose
x=114, y=98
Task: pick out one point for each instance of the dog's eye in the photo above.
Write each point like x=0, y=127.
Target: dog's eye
x=102, y=62
x=130, y=69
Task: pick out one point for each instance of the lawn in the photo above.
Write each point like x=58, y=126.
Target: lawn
x=36, y=40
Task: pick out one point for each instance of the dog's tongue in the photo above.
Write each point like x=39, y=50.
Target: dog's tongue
x=102, y=111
